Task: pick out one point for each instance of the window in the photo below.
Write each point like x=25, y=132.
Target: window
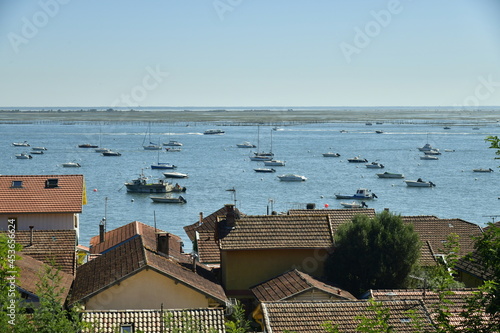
x=17, y=184
x=51, y=183
x=127, y=328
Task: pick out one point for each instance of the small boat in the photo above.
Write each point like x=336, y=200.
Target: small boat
x=38, y=148
x=390, y=175
x=169, y=199
x=260, y=158
x=361, y=194
x=173, y=143
x=161, y=165
x=21, y=144
x=330, y=154
x=71, y=165
x=357, y=159
x=483, y=170
x=343, y=131
x=419, y=183
x=175, y=175
x=449, y=150
x=214, y=131
x=274, y=163
x=475, y=128
x=173, y=150
x=354, y=204
x=379, y=131
x=88, y=145
x=142, y=185
x=245, y=144
x=152, y=146
x=102, y=150
x=37, y=152
x=432, y=152
x=379, y=123
x=264, y=170
x=23, y=156
x=429, y=157
x=292, y=178
x=368, y=124
x=374, y=165
x=427, y=147
x=111, y=153
x=446, y=127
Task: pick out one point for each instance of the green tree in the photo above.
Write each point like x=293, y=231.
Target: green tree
x=375, y=253
x=238, y=324
x=494, y=143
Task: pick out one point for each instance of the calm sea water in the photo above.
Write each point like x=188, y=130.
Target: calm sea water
x=214, y=165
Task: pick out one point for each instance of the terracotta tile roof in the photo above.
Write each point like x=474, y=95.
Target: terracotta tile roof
x=208, y=249
x=474, y=266
x=34, y=197
x=278, y=232
x=125, y=233
x=208, y=222
x=435, y=231
x=152, y=321
x=308, y=317
x=129, y=258
x=29, y=276
x=427, y=255
x=50, y=246
x=293, y=283
x=337, y=216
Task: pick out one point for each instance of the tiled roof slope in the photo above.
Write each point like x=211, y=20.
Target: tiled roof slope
x=51, y=247
x=293, y=283
x=129, y=258
x=435, y=231
x=29, y=276
x=153, y=321
x=337, y=216
x=278, y=232
x=124, y=233
x=208, y=223
x=208, y=249
x=34, y=197
x=308, y=317
x=474, y=266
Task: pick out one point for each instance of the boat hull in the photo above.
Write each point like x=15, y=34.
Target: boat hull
x=390, y=175
x=179, y=200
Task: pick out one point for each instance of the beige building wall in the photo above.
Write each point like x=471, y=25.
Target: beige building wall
x=243, y=269
x=147, y=289
x=46, y=221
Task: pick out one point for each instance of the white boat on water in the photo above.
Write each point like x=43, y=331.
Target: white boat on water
x=71, y=165
x=174, y=174
x=261, y=158
x=111, y=153
x=264, y=170
x=429, y=157
x=38, y=148
x=483, y=170
x=357, y=159
x=102, y=150
x=21, y=144
x=162, y=165
x=173, y=143
x=152, y=146
x=432, y=152
x=245, y=144
x=354, y=204
x=419, y=183
x=390, y=175
x=23, y=156
x=290, y=177
x=374, y=165
x=330, y=154
x=169, y=199
x=274, y=163
x=361, y=193
x=427, y=147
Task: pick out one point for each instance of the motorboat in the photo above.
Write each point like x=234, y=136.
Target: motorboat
x=368, y=124
x=261, y=158
x=449, y=150
x=88, y=145
x=429, y=157
x=143, y=185
x=111, y=153
x=161, y=165
x=102, y=150
x=379, y=132
x=483, y=170
x=264, y=170
x=169, y=199
x=71, y=165
x=427, y=147
x=290, y=177
x=21, y=144
x=37, y=152
x=344, y=131
x=361, y=194
x=214, y=131
x=357, y=159
x=38, y=148
x=432, y=152
x=173, y=143
x=24, y=156
x=152, y=146
x=354, y=204
x=245, y=144
x=175, y=175
x=390, y=175
x=274, y=163
x=447, y=127
x=172, y=150
x=330, y=154
x=374, y=165
x=419, y=183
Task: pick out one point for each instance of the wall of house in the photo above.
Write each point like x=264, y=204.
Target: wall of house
x=54, y=221
x=469, y=280
x=243, y=269
x=147, y=289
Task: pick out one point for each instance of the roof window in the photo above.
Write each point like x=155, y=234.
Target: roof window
x=17, y=183
x=51, y=183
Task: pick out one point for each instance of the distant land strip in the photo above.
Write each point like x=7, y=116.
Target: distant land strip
x=254, y=116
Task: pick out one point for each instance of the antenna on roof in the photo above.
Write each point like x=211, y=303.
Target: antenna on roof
x=492, y=217
x=154, y=219
x=234, y=194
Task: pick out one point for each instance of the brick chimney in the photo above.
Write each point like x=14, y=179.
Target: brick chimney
x=163, y=243
x=230, y=216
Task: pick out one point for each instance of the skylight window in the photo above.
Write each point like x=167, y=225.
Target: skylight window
x=17, y=183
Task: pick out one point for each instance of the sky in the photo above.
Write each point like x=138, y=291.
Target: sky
x=175, y=53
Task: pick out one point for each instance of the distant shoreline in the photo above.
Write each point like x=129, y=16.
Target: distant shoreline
x=255, y=116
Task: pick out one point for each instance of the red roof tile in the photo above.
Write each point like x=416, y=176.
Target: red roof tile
x=34, y=197
x=337, y=216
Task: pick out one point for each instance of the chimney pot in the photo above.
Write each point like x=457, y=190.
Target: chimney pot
x=230, y=215
x=200, y=222
x=163, y=243
x=31, y=235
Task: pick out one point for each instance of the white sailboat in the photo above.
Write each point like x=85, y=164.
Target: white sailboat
x=151, y=145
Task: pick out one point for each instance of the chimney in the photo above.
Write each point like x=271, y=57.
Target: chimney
x=31, y=235
x=200, y=222
x=311, y=206
x=194, y=256
x=163, y=243
x=102, y=230
x=230, y=216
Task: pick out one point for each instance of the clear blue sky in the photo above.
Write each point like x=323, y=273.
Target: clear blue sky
x=249, y=53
